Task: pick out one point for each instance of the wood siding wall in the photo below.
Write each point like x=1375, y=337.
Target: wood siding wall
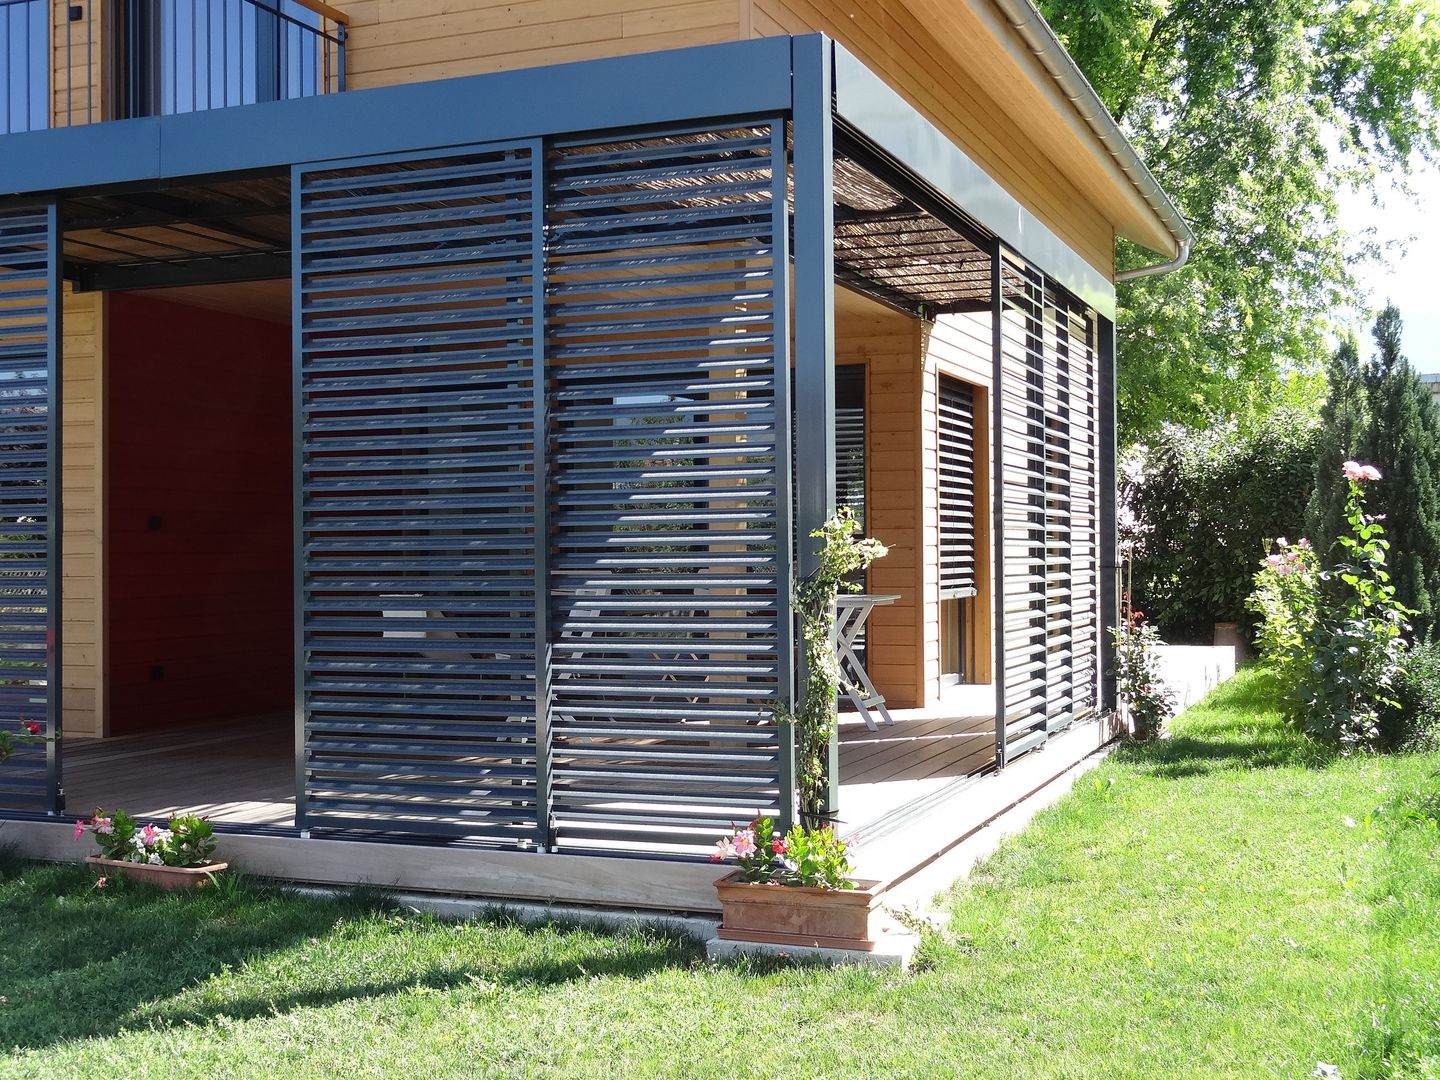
x=77, y=62
x=199, y=536
x=83, y=502
x=403, y=41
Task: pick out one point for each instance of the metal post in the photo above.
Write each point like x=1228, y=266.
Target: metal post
x=1106, y=479
x=341, y=33
x=784, y=470
x=997, y=489
x=814, y=313
x=297, y=338
x=55, y=524
x=544, y=825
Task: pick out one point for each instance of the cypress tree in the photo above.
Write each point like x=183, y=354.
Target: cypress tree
x=1381, y=414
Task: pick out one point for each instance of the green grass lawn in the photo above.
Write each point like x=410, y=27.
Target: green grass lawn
x=1230, y=902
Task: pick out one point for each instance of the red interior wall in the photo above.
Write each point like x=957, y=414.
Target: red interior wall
x=199, y=515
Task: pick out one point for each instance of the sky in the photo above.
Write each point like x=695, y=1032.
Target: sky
x=1409, y=277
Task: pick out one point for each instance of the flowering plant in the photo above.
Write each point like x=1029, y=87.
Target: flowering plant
x=810, y=857
x=1147, y=700
x=29, y=732
x=1335, y=636
x=187, y=840
x=1358, y=644
x=1287, y=599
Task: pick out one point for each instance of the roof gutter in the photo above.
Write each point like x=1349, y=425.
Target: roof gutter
x=1037, y=35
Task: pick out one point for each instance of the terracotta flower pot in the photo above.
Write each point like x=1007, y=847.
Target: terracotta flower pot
x=169, y=878
x=793, y=915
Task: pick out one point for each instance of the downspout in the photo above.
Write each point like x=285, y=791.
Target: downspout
x=1159, y=268
x=1041, y=40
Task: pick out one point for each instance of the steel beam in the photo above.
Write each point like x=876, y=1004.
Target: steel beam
x=55, y=521
x=1106, y=480
x=617, y=92
x=997, y=491
x=814, y=308
x=201, y=270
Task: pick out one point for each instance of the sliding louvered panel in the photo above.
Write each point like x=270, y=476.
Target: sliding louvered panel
x=29, y=773
x=1050, y=484
x=667, y=582
x=1023, y=437
x=418, y=362
x=957, y=489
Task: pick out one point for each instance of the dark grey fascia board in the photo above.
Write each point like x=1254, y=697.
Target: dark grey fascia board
x=867, y=104
x=734, y=79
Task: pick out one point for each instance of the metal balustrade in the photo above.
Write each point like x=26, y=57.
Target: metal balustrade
x=93, y=60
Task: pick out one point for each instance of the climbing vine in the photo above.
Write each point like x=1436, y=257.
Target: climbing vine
x=843, y=553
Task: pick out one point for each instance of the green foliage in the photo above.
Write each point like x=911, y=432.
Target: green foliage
x=1201, y=507
x=811, y=857
x=1336, y=636
x=186, y=840
x=1412, y=722
x=843, y=553
x=1236, y=108
x=1148, y=701
x=1380, y=412
x=1287, y=599
x=28, y=734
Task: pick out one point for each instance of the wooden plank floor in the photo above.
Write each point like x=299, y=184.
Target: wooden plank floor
x=233, y=771
x=242, y=771
x=885, y=770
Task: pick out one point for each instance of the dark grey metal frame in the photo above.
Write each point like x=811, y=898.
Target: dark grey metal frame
x=813, y=82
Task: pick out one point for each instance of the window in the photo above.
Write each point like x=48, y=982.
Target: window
x=957, y=521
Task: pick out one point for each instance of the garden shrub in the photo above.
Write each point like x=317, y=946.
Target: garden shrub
x=1201, y=507
x=1412, y=722
x=1287, y=599
x=1337, y=637
x=1148, y=701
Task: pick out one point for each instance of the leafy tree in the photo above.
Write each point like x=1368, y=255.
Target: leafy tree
x=1203, y=510
x=1252, y=114
x=1381, y=414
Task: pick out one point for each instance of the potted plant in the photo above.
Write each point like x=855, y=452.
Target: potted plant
x=175, y=857
x=795, y=889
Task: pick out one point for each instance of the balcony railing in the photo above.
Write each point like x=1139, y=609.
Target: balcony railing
x=77, y=63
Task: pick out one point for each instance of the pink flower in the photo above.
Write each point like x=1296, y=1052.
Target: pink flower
x=744, y=843
x=779, y=846
x=32, y=726
x=103, y=825
x=101, y=882
x=79, y=828
x=1273, y=560
x=1303, y=543
x=723, y=850
x=148, y=835
x=1355, y=471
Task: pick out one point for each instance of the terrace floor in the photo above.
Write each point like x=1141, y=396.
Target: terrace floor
x=242, y=772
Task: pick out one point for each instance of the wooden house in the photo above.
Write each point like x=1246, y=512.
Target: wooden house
x=414, y=419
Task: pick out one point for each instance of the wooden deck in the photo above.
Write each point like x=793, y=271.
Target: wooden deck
x=921, y=754
x=242, y=772
x=913, y=799
x=237, y=772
